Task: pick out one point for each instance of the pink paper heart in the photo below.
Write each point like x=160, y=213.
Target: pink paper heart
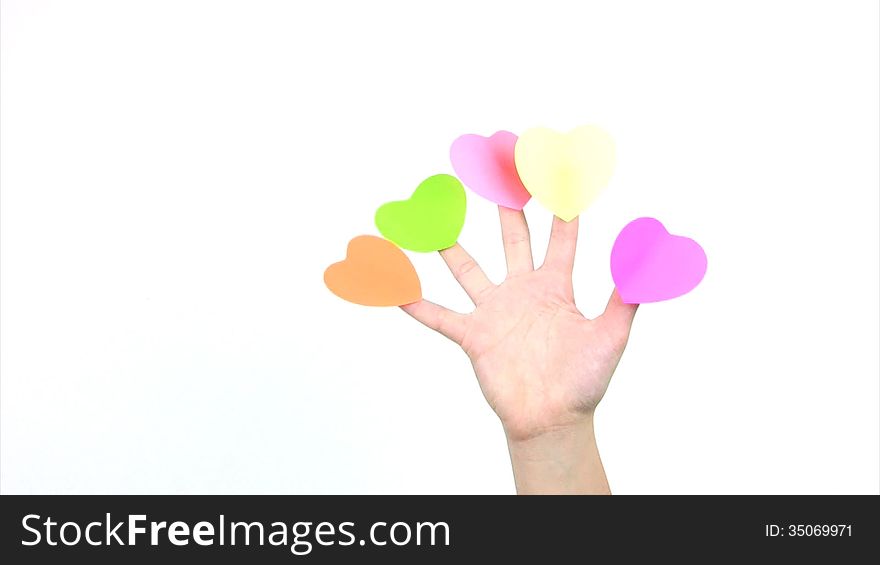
x=486, y=166
x=648, y=264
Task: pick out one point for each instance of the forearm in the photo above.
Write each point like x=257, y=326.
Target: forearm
x=562, y=461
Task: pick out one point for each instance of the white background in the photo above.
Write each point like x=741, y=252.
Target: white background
x=177, y=175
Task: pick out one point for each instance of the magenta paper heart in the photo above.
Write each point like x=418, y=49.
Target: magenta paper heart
x=648, y=264
x=485, y=165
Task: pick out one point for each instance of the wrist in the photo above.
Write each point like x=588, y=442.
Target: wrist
x=558, y=460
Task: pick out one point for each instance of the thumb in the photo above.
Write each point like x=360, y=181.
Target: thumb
x=618, y=314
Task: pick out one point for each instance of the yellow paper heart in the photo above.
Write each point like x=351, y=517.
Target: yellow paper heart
x=565, y=171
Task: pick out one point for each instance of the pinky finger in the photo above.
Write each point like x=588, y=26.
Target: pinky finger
x=440, y=319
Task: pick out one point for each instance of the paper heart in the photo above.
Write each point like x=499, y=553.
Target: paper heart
x=486, y=166
x=648, y=264
x=430, y=220
x=565, y=171
x=374, y=273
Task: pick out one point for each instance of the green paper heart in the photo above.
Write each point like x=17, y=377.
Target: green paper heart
x=430, y=220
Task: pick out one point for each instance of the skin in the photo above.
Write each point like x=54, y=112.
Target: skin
x=542, y=366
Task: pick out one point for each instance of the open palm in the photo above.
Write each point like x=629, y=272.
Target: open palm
x=541, y=364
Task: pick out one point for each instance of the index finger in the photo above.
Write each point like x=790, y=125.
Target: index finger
x=562, y=246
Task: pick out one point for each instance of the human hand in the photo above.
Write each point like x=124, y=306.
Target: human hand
x=542, y=366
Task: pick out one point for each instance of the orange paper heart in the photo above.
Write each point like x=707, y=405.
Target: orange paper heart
x=374, y=273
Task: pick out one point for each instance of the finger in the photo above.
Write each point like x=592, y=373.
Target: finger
x=467, y=272
x=440, y=319
x=563, y=243
x=517, y=244
x=619, y=314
